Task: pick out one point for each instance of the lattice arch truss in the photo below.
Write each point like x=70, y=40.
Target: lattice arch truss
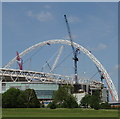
x=108, y=79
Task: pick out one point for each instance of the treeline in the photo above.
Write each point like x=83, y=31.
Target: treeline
x=15, y=98
x=94, y=101
x=63, y=98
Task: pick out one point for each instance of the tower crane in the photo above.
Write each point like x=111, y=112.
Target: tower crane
x=75, y=53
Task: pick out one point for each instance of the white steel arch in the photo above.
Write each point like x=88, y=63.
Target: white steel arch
x=81, y=48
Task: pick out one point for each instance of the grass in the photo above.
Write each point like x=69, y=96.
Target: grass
x=45, y=112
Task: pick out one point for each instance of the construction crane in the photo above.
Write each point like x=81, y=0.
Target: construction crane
x=102, y=75
x=19, y=61
x=75, y=51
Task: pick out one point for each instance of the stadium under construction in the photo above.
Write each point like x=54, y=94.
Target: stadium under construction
x=45, y=84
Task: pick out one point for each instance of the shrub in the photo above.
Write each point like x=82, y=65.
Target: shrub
x=15, y=98
x=105, y=105
x=52, y=105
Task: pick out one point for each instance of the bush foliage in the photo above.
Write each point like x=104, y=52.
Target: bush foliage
x=63, y=98
x=94, y=101
x=15, y=98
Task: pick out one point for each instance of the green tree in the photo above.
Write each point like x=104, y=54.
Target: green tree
x=95, y=100
x=86, y=101
x=15, y=98
x=61, y=94
x=63, y=97
x=31, y=98
x=70, y=102
x=9, y=98
x=22, y=99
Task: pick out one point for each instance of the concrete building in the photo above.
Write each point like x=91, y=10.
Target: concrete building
x=105, y=95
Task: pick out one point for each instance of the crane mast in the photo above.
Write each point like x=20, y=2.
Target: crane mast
x=75, y=51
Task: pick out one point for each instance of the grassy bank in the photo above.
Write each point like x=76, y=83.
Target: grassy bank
x=38, y=112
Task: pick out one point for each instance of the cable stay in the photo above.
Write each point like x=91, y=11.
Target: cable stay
x=48, y=65
x=29, y=66
x=101, y=75
x=48, y=61
x=63, y=60
x=59, y=51
x=57, y=58
x=93, y=75
x=35, y=53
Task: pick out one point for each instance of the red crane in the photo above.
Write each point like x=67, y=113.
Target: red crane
x=19, y=61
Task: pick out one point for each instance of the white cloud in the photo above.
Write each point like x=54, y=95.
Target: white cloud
x=47, y=6
x=29, y=13
x=100, y=47
x=42, y=16
x=67, y=37
x=73, y=19
x=117, y=66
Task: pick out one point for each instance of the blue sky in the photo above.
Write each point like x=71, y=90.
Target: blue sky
x=93, y=25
